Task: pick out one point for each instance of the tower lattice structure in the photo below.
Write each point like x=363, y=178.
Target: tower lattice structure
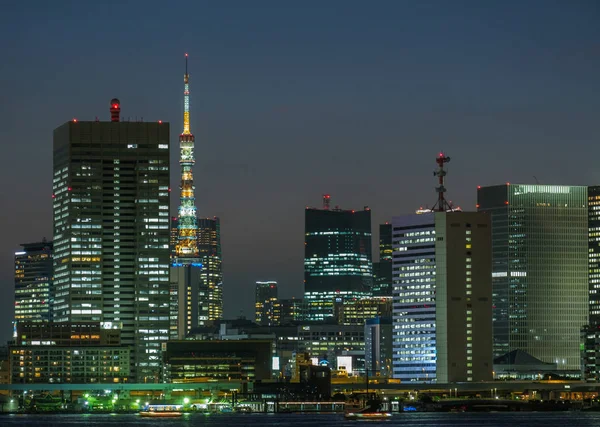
x=187, y=227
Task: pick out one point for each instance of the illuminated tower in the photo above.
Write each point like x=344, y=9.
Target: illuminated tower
x=187, y=227
x=187, y=295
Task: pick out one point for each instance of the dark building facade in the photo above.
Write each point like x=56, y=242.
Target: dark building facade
x=591, y=332
x=111, y=231
x=382, y=270
x=211, y=275
x=267, y=310
x=540, y=269
x=337, y=258
x=191, y=360
x=33, y=283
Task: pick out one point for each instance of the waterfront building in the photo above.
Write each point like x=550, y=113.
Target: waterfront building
x=33, y=282
x=193, y=361
x=337, y=258
x=80, y=352
x=382, y=270
x=442, y=297
x=111, y=231
x=325, y=343
x=267, y=309
x=378, y=346
x=540, y=270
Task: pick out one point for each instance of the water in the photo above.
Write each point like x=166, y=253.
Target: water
x=500, y=419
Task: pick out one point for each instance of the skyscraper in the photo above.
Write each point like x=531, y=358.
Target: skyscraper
x=382, y=270
x=111, y=231
x=442, y=297
x=266, y=303
x=33, y=282
x=540, y=269
x=211, y=276
x=594, y=254
x=337, y=258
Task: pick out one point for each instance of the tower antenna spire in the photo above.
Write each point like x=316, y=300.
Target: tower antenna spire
x=187, y=226
x=442, y=205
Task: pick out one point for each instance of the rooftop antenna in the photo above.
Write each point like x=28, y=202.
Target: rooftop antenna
x=326, y=200
x=442, y=205
x=536, y=180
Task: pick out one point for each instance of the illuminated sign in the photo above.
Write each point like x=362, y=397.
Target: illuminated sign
x=345, y=362
x=275, y=364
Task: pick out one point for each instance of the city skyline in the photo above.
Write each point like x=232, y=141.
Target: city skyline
x=301, y=117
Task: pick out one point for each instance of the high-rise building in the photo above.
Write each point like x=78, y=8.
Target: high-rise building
x=33, y=282
x=382, y=270
x=211, y=276
x=337, y=258
x=378, y=346
x=266, y=303
x=594, y=254
x=540, y=269
x=111, y=231
x=442, y=297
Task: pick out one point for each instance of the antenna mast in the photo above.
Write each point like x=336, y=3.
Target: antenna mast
x=442, y=205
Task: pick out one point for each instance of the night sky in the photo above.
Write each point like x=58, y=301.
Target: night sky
x=294, y=99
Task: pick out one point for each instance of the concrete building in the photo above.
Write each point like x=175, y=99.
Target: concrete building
x=34, y=292
x=191, y=360
x=379, y=347
x=265, y=303
x=111, y=231
x=81, y=352
x=540, y=270
x=442, y=297
x=337, y=258
x=382, y=270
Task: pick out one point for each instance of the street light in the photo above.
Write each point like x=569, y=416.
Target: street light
x=186, y=401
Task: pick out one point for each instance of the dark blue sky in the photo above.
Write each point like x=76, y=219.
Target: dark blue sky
x=294, y=99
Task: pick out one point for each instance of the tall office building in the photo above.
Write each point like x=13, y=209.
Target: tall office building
x=591, y=331
x=382, y=270
x=211, y=276
x=378, y=346
x=540, y=269
x=33, y=283
x=337, y=258
x=442, y=297
x=594, y=254
x=111, y=231
x=266, y=303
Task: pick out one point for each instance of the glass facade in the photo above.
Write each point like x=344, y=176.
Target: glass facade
x=33, y=283
x=413, y=276
x=337, y=258
x=111, y=232
x=540, y=269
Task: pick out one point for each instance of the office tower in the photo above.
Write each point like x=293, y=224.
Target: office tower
x=378, y=346
x=356, y=311
x=33, y=282
x=337, y=258
x=111, y=231
x=186, y=266
x=591, y=331
x=594, y=254
x=174, y=237
x=540, y=269
x=382, y=270
x=266, y=307
x=211, y=276
x=290, y=310
x=442, y=297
